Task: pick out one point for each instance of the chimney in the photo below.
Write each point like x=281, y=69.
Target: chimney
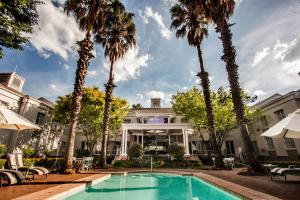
x=155, y=103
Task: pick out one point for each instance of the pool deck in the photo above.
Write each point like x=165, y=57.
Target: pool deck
x=248, y=187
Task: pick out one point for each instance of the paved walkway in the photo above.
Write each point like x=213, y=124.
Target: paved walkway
x=40, y=183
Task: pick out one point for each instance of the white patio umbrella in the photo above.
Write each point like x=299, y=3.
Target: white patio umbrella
x=12, y=121
x=288, y=127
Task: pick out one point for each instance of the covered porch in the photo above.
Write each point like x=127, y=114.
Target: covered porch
x=155, y=138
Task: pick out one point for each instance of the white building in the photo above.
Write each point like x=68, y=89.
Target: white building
x=39, y=111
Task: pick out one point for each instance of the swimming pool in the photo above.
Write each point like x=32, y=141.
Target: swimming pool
x=156, y=186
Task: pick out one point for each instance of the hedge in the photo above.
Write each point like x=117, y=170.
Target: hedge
x=157, y=164
x=42, y=162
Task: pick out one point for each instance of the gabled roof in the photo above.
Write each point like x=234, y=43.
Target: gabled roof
x=276, y=97
x=47, y=102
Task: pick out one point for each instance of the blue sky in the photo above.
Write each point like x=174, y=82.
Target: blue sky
x=266, y=36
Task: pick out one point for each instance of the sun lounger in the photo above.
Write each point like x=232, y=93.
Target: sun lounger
x=16, y=163
x=285, y=172
x=8, y=176
x=19, y=176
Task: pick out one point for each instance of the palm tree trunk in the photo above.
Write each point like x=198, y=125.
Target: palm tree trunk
x=203, y=75
x=108, y=100
x=85, y=54
x=232, y=70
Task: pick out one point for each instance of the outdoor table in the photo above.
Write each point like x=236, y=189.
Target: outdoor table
x=268, y=168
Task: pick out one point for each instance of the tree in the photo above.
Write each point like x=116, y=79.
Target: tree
x=188, y=19
x=17, y=19
x=191, y=105
x=219, y=11
x=90, y=16
x=116, y=41
x=90, y=119
x=137, y=106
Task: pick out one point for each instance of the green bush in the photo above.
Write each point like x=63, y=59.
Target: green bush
x=2, y=163
x=3, y=150
x=176, y=151
x=82, y=153
x=135, y=151
x=157, y=164
x=27, y=152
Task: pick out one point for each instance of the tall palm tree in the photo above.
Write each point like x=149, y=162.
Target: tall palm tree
x=89, y=14
x=220, y=11
x=116, y=41
x=187, y=17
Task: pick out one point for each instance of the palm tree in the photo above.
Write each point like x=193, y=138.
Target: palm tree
x=89, y=14
x=220, y=11
x=188, y=19
x=116, y=41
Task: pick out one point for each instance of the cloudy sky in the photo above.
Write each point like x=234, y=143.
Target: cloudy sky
x=266, y=35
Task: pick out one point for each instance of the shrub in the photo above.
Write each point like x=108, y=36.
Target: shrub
x=2, y=163
x=3, y=149
x=135, y=151
x=82, y=153
x=176, y=151
x=27, y=152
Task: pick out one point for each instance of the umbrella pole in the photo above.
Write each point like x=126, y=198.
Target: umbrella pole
x=12, y=141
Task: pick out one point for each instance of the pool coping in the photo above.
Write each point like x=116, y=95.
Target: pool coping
x=66, y=190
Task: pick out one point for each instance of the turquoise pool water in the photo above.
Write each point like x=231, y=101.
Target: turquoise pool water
x=154, y=186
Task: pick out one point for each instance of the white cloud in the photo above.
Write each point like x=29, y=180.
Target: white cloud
x=66, y=66
x=259, y=93
x=130, y=65
x=56, y=32
x=169, y=2
x=259, y=56
x=158, y=18
x=276, y=72
x=92, y=73
x=140, y=96
x=165, y=97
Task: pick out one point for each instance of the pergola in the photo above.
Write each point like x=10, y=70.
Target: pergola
x=154, y=129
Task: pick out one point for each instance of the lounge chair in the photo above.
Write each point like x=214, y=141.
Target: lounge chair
x=8, y=176
x=292, y=170
x=19, y=176
x=16, y=163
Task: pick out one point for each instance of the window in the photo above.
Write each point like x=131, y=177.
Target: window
x=289, y=143
x=229, y=147
x=84, y=145
x=139, y=120
x=40, y=118
x=127, y=121
x=165, y=120
x=264, y=121
x=4, y=103
x=270, y=143
x=183, y=120
x=16, y=82
x=279, y=114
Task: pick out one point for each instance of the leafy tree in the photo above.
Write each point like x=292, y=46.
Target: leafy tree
x=116, y=41
x=90, y=121
x=188, y=19
x=17, y=18
x=191, y=105
x=219, y=11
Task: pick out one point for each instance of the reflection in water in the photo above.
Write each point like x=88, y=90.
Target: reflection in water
x=153, y=187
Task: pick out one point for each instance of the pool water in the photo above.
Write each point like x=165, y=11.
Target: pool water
x=154, y=186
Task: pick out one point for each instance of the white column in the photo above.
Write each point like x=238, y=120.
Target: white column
x=125, y=144
x=169, y=139
x=122, y=142
x=183, y=136
x=187, y=150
